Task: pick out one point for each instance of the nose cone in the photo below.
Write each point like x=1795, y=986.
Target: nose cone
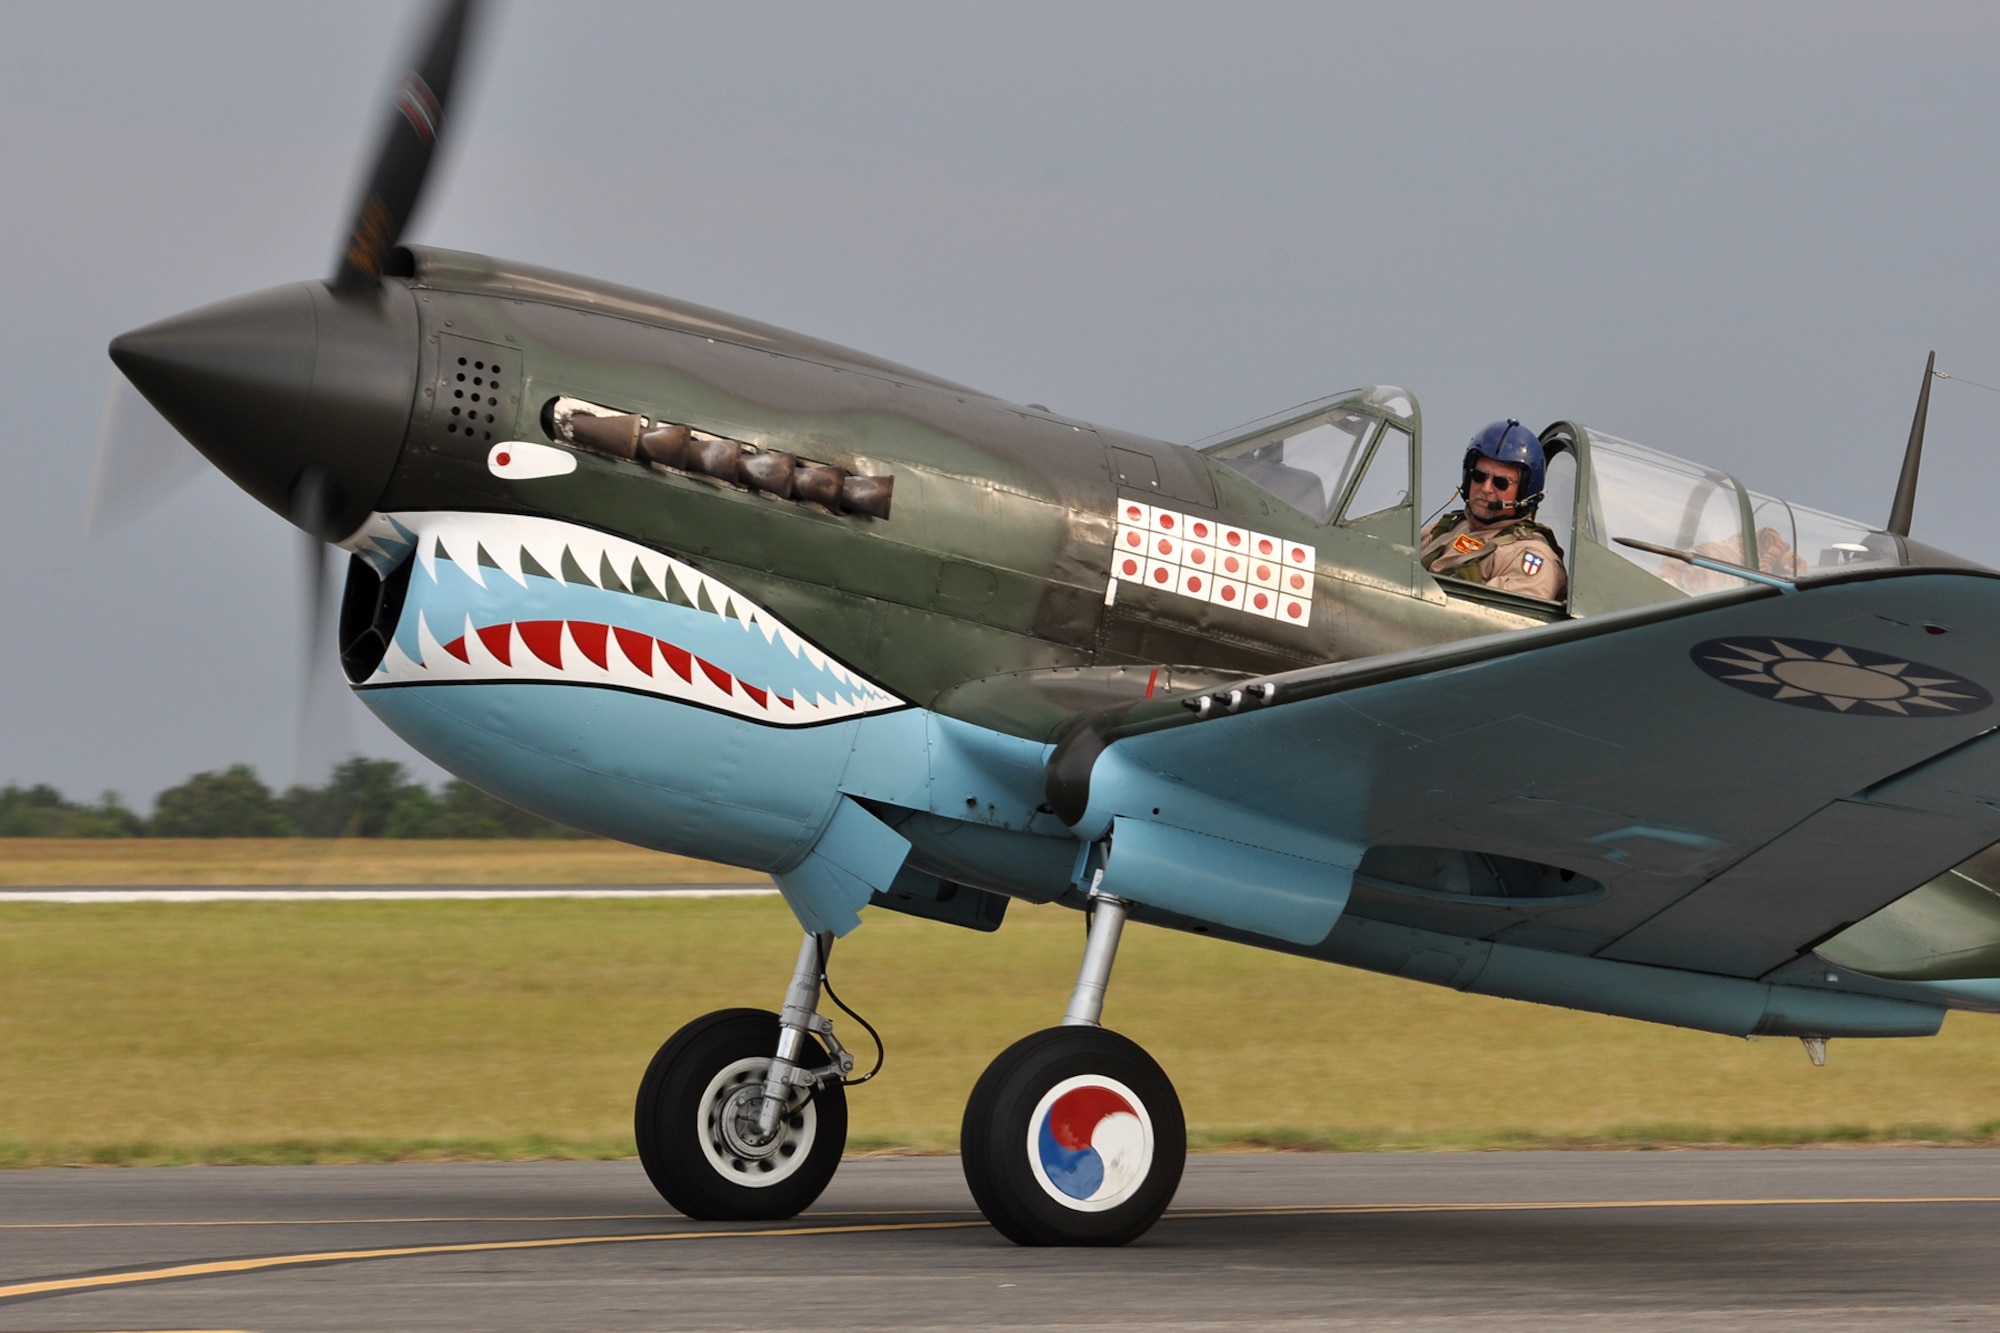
x=302, y=398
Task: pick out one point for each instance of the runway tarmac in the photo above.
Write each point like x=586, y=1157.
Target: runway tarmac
x=1773, y=1240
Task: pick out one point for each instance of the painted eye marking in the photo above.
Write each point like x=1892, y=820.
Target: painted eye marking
x=524, y=460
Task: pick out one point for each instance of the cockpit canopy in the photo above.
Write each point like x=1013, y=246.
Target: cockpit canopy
x=1645, y=495
x=1349, y=459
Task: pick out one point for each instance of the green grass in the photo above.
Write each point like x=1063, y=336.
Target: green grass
x=54, y=861
x=304, y=1032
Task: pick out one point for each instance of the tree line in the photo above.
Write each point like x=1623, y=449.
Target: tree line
x=364, y=798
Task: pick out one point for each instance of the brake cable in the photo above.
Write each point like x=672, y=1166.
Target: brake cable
x=826, y=983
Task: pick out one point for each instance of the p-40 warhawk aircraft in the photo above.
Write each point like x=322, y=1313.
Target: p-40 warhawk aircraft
x=697, y=583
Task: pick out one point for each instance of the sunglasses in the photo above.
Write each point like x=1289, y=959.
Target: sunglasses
x=1498, y=482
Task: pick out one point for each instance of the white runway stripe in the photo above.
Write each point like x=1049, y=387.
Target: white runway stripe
x=386, y=893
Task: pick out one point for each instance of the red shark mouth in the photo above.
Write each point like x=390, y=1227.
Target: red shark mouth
x=544, y=640
x=508, y=598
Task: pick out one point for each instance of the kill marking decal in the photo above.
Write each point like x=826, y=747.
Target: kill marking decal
x=1837, y=679
x=1205, y=561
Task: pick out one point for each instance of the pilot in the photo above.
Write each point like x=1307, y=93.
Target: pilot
x=1495, y=540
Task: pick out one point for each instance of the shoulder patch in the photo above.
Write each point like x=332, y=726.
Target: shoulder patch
x=1531, y=563
x=1465, y=544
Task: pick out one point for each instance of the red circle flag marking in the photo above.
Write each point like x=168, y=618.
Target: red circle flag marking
x=1292, y=610
x=1198, y=556
x=1265, y=546
x=1298, y=555
x=1130, y=566
x=1160, y=576
x=503, y=458
x=1230, y=564
x=1261, y=600
x=1134, y=539
x=1167, y=521
x=1228, y=593
x=1200, y=529
x=1298, y=580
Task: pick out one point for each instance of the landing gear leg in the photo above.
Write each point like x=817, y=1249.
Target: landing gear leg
x=1074, y=1136
x=742, y=1115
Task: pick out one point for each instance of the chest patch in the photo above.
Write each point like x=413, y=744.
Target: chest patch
x=1531, y=563
x=1465, y=543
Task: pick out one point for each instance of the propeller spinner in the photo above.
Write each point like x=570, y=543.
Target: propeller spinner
x=302, y=394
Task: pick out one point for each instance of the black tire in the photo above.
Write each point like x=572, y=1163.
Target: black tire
x=1030, y=1188
x=683, y=1143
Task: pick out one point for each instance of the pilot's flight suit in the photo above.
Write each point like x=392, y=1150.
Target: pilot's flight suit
x=1513, y=555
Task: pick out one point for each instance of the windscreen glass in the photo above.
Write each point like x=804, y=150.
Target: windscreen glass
x=1386, y=484
x=1307, y=466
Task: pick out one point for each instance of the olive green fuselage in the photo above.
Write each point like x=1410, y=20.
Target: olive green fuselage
x=983, y=595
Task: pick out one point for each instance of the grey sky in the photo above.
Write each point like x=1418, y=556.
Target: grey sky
x=1727, y=231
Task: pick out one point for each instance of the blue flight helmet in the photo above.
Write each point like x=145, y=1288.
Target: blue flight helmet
x=1508, y=442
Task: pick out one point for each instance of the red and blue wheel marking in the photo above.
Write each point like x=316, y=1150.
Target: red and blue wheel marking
x=1090, y=1142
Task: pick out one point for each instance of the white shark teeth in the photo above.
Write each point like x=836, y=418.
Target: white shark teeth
x=690, y=582
x=655, y=567
x=428, y=647
x=462, y=545
x=396, y=664
x=517, y=543
x=507, y=554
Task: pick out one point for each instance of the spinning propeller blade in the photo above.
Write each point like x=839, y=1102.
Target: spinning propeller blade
x=141, y=460
x=404, y=159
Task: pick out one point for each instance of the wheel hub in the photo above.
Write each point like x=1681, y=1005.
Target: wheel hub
x=737, y=1123
x=729, y=1137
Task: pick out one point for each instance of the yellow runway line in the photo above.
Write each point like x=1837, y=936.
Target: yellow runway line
x=333, y=1221
x=428, y=1221
x=226, y=1267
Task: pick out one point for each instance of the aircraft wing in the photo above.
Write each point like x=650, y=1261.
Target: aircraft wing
x=1717, y=784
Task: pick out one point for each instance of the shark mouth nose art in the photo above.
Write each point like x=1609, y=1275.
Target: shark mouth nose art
x=512, y=599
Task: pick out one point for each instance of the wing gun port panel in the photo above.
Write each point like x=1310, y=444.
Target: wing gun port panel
x=677, y=447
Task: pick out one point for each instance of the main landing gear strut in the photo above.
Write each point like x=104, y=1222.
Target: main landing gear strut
x=1073, y=1136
